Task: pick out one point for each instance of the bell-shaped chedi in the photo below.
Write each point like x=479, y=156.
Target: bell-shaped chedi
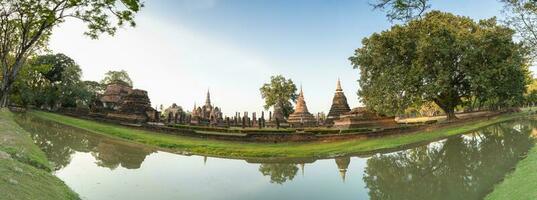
x=301, y=117
x=339, y=105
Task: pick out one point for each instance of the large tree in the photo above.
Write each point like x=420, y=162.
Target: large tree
x=280, y=91
x=116, y=76
x=521, y=15
x=402, y=10
x=25, y=27
x=52, y=80
x=441, y=58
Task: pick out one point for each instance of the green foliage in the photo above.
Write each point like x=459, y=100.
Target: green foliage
x=116, y=76
x=279, y=172
x=28, y=166
x=93, y=89
x=280, y=91
x=402, y=10
x=521, y=15
x=26, y=25
x=441, y=58
x=52, y=81
x=519, y=185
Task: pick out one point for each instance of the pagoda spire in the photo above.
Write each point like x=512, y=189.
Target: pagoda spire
x=338, y=86
x=208, y=99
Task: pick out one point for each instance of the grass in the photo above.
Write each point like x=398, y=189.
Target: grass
x=521, y=184
x=265, y=150
x=24, y=168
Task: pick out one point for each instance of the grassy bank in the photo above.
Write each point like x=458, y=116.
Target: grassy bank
x=521, y=184
x=260, y=150
x=24, y=168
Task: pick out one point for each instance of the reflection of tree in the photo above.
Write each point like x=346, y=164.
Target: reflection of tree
x=279, y=172
x=111, y=155
x=59, y=142
x=462, y=167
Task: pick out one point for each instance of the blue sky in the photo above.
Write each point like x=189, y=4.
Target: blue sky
x=181, y=48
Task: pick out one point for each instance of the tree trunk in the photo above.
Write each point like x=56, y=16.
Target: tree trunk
x=450, y=114
x=4, y=92
x=448, y=107
x=4, y=97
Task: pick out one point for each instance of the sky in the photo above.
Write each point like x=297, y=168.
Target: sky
x=182, y=48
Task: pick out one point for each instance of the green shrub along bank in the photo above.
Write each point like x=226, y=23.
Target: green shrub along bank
x=24, y=168
x=234, y=149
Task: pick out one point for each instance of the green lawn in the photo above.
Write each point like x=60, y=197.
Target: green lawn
x=264, y=150
x=24, y=168
x=521, y=184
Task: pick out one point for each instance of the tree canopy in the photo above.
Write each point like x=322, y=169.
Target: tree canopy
x=116, y=76
x=279, y=91
x=25, y=27
x=521, y=15
x=52, y=80
x=402, y=10
x=443, y=58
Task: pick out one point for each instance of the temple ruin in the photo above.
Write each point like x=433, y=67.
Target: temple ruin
x=301, y=117
x=339, y=105
x=207, y=114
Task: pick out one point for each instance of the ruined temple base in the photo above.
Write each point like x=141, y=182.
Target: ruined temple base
x=127, y=117
x=302, y=120
x=346, y=123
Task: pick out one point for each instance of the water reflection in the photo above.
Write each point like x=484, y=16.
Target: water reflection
x=460, y=167
x=60, y=142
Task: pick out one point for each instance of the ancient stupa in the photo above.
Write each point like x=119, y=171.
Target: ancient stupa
x=301, y=117
x=339, y=105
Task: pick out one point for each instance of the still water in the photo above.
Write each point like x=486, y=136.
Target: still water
x=460, y=167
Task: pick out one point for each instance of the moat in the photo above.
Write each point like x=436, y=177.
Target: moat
x=460, y=167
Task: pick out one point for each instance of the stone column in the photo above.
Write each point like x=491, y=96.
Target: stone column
x=254, y=119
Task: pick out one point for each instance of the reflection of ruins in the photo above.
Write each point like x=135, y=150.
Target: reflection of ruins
x=342, y=165
x=461, y=167
x=59, y=142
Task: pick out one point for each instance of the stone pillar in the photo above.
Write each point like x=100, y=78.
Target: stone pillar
x=157, y=116
x=247, y=119
x=175, y=116
x=243, y=122
x=170, y=118
x=254, y=119
x=262, y=119
x=270, y=116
